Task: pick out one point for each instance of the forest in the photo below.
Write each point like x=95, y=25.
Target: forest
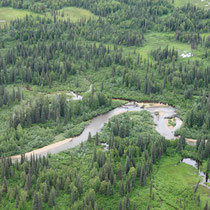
x=104, y=104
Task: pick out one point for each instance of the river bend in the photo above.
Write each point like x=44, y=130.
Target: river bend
x=159, y=112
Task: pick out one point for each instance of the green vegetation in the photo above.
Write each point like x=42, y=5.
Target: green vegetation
x=8, y=14
x=157, y=40
x=74, y=14
x=172, y=122
x=179, y=177
x=199, y=3
x=37, y=122
x=142, y=50
x=198, y=118
x=138, y=170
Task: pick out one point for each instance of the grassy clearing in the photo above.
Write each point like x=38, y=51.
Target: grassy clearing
x=8, y=14
x=200, y=3
x=74, y=14
x=156, y=40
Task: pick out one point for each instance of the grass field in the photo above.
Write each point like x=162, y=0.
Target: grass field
x=8, y=14
x=156, y=40
x=200, y=3
x=74, y=14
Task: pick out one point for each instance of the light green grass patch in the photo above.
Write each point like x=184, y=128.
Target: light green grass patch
x=200, y=3
x=8, y=14
x=74, y=14
x=156, y=40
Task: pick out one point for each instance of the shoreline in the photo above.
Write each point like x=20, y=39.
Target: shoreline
x=38, y=152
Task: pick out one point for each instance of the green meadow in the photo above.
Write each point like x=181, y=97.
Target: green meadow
x=200, y=3
x=74, y=14
x=8, y=14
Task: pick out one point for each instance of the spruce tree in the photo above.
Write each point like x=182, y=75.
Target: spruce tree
x=4, y=186
x=97, y=139
x=52, y=198
x=35, y=202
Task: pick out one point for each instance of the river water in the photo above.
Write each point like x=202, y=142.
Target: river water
x=98, y=122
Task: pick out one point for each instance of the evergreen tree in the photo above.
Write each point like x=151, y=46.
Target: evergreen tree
x=97, y=139
x=89, y=137
x=46, y=193
x=36, y=202
x=4, y=186
x=52, y=198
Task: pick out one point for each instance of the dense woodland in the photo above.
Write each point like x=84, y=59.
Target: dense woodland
x=9, y=97
x=44, y=56
x=42, y=109
x=18, y=64
x=199, y=115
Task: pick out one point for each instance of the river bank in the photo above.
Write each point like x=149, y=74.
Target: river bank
x=98, y=122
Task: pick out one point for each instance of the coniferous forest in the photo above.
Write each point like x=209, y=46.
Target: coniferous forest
x=105, y=104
